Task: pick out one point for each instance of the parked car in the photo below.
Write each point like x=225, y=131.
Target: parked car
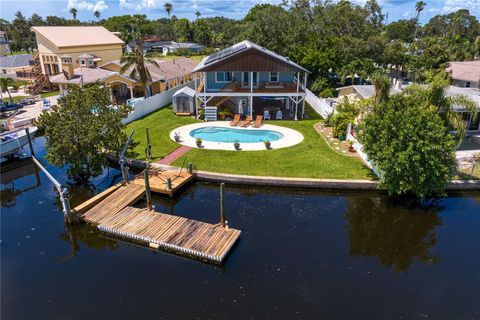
x=27, y=101
x=5, y=106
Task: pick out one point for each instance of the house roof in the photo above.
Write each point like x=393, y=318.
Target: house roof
x=78, y=36
x=83, y=76
x=464, y=70
x=239, y=48
x=185, y=90
x=15, y=61
x=367, y=91
x=166, y=70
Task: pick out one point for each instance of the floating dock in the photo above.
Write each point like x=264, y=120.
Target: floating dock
x=112, y=212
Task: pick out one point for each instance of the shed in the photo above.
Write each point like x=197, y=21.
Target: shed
x=184, y=101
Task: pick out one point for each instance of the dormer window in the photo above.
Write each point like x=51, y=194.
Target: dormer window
x=82, y=62
x=90, y=62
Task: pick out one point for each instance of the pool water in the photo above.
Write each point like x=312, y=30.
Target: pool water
x=220, y=134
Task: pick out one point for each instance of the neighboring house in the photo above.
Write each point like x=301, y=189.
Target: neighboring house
x=166, y=47
x=83, y=47
x=4, y=45
x=465, y=74
x=167, y=75
x=366, y=91
x=16, y=67
x=251, y=80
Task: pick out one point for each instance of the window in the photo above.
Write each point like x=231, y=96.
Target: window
x=82, y=62
x=223, y=76
x=274, y=76
x=90, y=62
x=467, y=84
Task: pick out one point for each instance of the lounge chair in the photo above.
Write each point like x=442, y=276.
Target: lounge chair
x=258, y=122
x=245, y=123
x=279, y=115
x=266, y=115
x=235, y=121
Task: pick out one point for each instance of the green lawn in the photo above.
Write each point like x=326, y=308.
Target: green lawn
x=159, y=123
x=312, y=158
x=49, y=94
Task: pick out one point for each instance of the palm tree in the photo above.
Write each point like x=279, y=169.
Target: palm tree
x=446, y=104
x=419, y=6
x=97, y=14
x=74, y=12
x=168, y=7
x=382, y=86
x=4, y=84
x=136, y=61
x=198, y=14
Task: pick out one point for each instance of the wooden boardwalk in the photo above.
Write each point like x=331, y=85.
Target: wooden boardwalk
x=158, y=180
x=112, y=212
x=195, y=238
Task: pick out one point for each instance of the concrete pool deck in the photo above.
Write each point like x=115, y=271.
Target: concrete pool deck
x=290, y=137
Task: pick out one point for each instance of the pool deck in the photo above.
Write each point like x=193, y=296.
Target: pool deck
x=290, y=137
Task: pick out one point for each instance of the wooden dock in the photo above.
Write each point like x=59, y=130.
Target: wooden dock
x=112, y=212
x=160, y=230
x=159, y=180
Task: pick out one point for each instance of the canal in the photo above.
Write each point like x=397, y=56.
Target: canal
x=301, y=255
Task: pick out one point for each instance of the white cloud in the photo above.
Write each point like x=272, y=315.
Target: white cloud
x=93, y=6
x=137, y=4
x=453, y=5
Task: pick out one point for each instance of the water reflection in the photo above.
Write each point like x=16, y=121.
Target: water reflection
x=17, y=177
x=396, y=235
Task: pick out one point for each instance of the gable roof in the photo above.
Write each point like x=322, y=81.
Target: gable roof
x=241, y=48
x=464, y=70
x=63, y=37
x=15, y=61
x=185, y=90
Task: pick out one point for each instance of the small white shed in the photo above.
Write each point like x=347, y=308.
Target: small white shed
x=184, y=101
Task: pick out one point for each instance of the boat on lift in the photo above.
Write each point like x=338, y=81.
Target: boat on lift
x=13, y=141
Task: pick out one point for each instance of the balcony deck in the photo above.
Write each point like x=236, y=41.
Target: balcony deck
x=261, y=88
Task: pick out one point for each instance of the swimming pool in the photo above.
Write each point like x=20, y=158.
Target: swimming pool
x=222, y=134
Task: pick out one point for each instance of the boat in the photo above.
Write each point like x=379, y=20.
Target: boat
x=13, y=141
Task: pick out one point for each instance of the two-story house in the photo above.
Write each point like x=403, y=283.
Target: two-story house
x=82, y=47
x=251, y=80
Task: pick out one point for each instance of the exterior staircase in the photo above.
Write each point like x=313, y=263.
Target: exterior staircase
x=40, y=79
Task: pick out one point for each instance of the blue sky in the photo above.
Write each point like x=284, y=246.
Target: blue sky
x=396, y=9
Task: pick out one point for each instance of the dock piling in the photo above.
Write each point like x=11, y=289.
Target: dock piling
x=222, y=204
x=30, y=144
x=125, y=173
x=169, y=184
x=147, y=189
x=148, y=150
x=190, y=167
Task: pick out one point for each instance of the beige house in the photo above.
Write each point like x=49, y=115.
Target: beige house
x=464, y=74
x=87, y=46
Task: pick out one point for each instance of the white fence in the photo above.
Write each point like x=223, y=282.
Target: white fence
x=359, y=148
x=153, y=103
x=321, y=106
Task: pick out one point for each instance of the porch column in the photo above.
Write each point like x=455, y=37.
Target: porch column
x=251, y=94
x=304, y=89
x=131, y=92
x=195, y=97
x=205, y=87
x=296, y=98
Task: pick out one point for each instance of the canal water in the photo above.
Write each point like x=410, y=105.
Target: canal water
x=302, y=255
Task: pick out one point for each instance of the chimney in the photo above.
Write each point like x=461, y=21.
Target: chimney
x=67, y=67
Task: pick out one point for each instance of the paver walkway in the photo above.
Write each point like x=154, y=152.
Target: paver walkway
x=174, y=155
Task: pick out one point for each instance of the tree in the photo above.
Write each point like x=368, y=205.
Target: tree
x=408, y=142
x=419, y=6
x=198, y=14
x=96, y=14
x=136, y=61
x=4, y=84
x=74, y=12
x=80, y=127
x=168, y=8
x=21, y=36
